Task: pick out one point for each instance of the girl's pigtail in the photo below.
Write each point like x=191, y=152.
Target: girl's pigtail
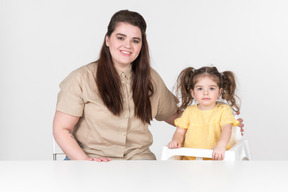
x=183, y=88
x=228, y=83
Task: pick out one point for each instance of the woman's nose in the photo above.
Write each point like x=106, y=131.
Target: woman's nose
x=127, y=44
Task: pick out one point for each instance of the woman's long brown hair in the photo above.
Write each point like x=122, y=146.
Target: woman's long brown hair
x=108, y=80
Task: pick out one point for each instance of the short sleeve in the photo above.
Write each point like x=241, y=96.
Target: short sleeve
x=165, y=102
x=184, y=120
x=70, y=99
x=227, y=117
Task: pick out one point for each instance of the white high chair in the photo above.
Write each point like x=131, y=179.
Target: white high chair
x=238, y=151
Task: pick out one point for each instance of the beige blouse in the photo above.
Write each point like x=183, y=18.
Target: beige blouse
x=102, y=134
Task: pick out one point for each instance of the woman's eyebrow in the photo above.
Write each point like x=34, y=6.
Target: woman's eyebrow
x=121, y=34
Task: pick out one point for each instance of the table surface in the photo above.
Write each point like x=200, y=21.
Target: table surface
x=145, y=176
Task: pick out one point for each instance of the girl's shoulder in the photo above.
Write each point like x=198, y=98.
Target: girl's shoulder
x=191, y=108
x=223, y=106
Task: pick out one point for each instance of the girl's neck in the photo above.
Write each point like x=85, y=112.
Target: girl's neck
x=206, y=108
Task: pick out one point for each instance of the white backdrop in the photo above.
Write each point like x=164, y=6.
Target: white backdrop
x=41, y=41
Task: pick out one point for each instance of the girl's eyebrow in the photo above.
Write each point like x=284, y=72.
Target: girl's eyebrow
x=121, y=34
x=209, y=85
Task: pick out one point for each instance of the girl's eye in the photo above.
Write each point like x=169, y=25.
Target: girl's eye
x=120, y=38
x=212, y=88
x=199, y=89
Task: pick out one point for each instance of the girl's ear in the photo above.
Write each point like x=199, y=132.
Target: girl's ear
x=220, y=92
x=192, y=93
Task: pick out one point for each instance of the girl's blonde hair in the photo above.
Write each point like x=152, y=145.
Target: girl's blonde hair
x=190, y=76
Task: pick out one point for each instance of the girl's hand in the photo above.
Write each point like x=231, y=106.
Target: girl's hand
x=174, y=144
x=177, y=138
x=218, y=152
x=99, y=159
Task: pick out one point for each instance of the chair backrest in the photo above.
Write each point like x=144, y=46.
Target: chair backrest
x=58, y=154
x=235, y=136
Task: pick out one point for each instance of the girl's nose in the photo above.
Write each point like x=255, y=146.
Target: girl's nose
x=206, y=92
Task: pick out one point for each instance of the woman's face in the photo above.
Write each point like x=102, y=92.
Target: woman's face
x=124, y=44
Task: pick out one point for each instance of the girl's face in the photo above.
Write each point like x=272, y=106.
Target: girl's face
x=124, y=44
x=206, y=92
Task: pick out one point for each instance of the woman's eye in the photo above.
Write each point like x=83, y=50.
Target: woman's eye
x=212, y=89
x=136, y=41
x=120, y=38
x=199, y=89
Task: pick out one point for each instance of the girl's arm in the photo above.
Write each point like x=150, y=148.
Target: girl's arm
x=178, y=138
x=220, y=148
x=63, y=125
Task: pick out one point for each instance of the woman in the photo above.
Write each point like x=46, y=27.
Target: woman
x=104, y=108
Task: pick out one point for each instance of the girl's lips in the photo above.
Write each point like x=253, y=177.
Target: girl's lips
x=206, y=99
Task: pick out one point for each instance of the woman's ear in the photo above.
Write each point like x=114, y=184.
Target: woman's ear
x=107, y=40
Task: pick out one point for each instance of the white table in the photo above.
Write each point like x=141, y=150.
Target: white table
x=148, y=176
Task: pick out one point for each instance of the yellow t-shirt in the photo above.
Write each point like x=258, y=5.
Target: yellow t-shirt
x=204, y=127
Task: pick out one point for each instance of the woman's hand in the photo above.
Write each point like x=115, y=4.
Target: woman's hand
x=99, y=159
x=241, y=124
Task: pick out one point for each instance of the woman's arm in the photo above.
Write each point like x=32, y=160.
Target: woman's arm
x=220, y=148
x=63, y=125
x=171, y=119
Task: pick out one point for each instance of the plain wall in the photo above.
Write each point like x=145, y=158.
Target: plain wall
x=42, y=41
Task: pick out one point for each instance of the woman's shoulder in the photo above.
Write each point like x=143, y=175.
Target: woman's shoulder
x=154, y=74
x=85, y=70
x=156, y=79
x=88, y=68
x=84, y=73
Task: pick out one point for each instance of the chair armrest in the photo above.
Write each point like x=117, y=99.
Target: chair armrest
x=194, y=152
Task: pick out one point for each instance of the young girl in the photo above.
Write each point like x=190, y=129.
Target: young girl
x=208, y=124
